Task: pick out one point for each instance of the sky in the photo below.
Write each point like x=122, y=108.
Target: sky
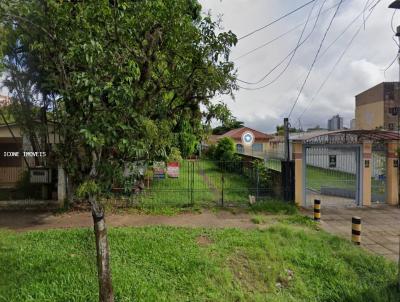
x=361, y=67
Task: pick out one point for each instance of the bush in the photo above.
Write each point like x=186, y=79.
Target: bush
x=225, y=150
x=175, y=155
x=210, y=152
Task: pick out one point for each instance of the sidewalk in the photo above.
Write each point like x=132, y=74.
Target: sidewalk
x=380, y=227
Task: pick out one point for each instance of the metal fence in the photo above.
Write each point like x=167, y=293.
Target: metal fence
x=378, y=175
x=206, y=183
x=332, y=172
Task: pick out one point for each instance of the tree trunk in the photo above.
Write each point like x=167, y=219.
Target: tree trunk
x=103, y=259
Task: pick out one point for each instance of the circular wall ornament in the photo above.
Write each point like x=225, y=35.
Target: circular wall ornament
x=248, y=138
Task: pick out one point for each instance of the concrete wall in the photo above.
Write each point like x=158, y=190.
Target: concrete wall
x=370, y=116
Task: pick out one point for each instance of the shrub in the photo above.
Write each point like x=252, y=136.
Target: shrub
x=225, y=149
x=210, y=151
x=175, y=155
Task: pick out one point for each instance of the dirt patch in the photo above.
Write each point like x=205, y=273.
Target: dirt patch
x=25, y=221
x=247, y=272
x=203, y=240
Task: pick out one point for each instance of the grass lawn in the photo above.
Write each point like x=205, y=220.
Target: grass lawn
x=175, y=191
x=237, y=187
x=286, y=262
x=320, y=177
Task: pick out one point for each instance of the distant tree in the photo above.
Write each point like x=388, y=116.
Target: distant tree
x=228, y=125
x=280, y=130
x=317, y=127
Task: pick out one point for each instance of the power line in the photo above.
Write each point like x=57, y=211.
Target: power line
x=282, y=35
x=391, y=21
x=293, y=53
x=331, y=71
x=290, y=53
x=390, y=65
x=315, y=59
x=276, y=20
x=365, y=8
x=335, y=65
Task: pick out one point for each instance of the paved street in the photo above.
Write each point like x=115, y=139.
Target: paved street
x=380, y=227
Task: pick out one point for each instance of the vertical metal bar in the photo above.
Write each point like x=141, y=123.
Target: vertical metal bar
x=188, y=179
x=358, y=177
x=222, y=184
x=191, y=193
x=258, y=180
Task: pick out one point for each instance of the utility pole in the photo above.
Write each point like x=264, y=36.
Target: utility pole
x=286, y=137
x=396, y=5
x=287, y=166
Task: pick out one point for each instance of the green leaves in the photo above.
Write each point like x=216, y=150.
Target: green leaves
x=95, y=141
x=131, y=81
x=87, y=188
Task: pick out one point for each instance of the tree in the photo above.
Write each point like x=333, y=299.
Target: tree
x=231, y=123
x=122, y=76
x=280, y=130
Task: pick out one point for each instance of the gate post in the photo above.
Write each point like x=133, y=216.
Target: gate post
x=366, y=173
x=392, y=177
x=298, y=157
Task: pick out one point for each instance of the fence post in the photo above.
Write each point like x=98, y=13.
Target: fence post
x=192, y=186
x=188, y=179
x=222, y=184
x=258, y=181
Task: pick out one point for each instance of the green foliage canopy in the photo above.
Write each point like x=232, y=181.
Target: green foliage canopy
x=124, y=74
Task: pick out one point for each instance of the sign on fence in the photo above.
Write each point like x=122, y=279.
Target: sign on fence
x=158, y=170
x=173, y=170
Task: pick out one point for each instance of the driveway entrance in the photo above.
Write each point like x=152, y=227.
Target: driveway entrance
x=333, y=173
x=347, y=168
x=380, y=227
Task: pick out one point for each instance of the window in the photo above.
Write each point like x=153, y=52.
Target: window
x=391, y=126
x=394, y=110
x=239, y=148
x=258, y=147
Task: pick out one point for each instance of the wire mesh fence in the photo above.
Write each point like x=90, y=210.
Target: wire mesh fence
x=204, y=183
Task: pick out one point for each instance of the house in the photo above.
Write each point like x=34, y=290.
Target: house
x=17, y=159
x=248, y=141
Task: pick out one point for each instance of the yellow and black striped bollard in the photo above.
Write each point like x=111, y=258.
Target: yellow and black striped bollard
x=317, y=210
x=356, y=230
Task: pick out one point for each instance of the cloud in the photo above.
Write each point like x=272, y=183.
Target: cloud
x=361, y=67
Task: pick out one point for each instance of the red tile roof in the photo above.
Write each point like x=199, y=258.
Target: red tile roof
x=236, y=134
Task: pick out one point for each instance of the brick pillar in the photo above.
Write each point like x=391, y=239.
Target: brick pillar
x=392, y=175
x=298, y=173
x=366, y=173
